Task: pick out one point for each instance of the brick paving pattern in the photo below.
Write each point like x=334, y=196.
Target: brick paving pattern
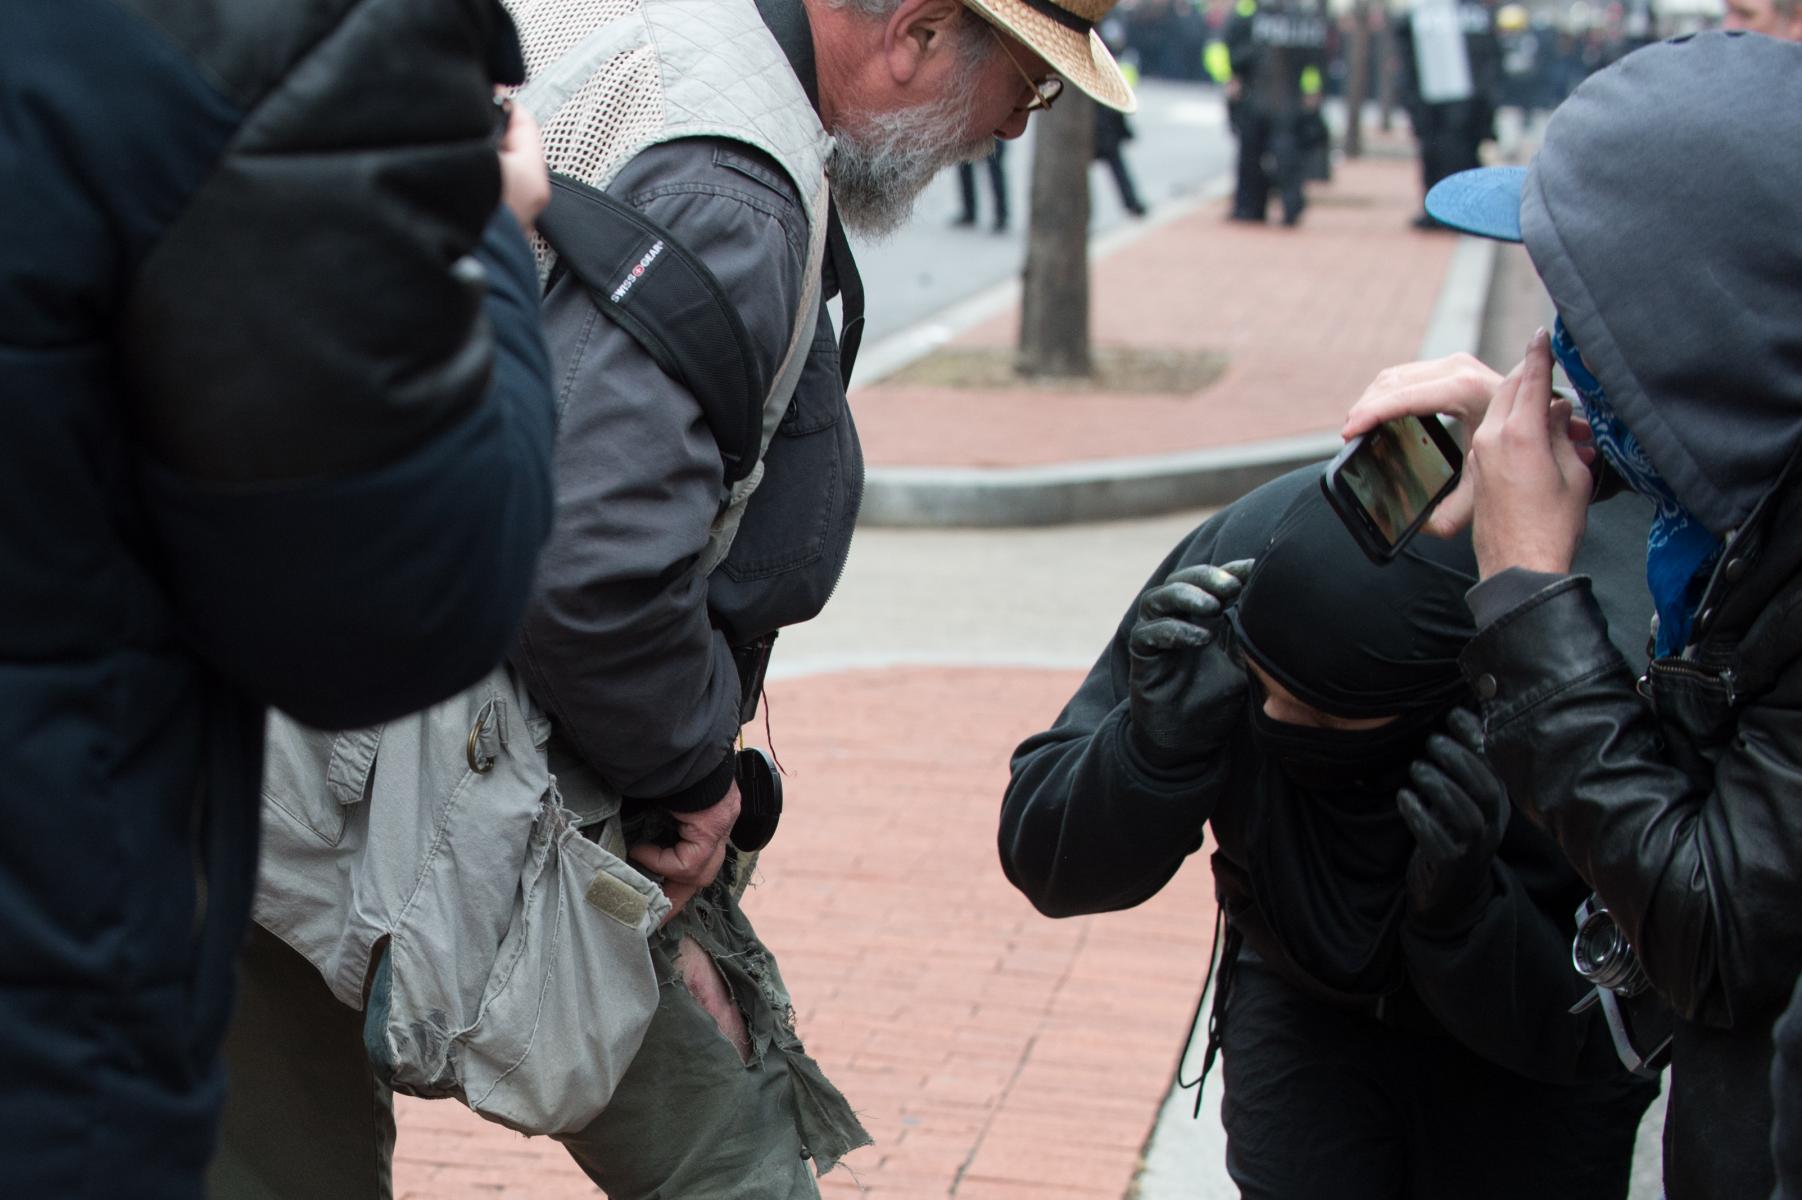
x=993, y=1054
x=1298, y=311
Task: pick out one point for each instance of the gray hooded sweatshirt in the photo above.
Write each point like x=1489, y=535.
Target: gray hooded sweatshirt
x=1665, y=218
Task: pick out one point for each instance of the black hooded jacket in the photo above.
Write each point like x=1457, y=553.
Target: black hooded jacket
x=1314, y=882
x=1660, y=214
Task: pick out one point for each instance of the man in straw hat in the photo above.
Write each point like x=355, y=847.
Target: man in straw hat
x=743, y=137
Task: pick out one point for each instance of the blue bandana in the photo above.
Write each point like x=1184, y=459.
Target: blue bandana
x=1680, y=551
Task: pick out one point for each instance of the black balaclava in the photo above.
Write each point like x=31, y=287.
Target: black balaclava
x=1354, y=639
x=1326, y=849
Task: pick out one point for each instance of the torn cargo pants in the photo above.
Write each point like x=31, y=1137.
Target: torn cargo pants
x=689, y=1120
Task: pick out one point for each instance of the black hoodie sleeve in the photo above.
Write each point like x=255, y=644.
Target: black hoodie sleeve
x=1087, y=824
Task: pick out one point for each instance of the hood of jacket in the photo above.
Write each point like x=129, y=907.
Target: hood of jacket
x=1661, y=214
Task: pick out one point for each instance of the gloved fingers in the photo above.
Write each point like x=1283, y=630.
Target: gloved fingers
x=1181, y=600
x=1446, y=802
x=1465, y=768
x=1154, y=637
x=1218, y=582
x=1428, y=833
x=1467, y=727
x=1239, y=568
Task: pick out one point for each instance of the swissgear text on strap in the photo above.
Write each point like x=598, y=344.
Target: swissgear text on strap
x=644, y=281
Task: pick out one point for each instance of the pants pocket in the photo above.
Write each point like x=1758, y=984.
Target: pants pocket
x=573, y=987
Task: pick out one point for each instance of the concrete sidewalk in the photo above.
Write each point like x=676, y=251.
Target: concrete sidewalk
x=993, y=1052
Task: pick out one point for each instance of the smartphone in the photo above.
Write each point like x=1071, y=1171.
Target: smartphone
x=1386, y=482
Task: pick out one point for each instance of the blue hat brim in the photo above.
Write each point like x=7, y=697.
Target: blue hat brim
x=1485, y=202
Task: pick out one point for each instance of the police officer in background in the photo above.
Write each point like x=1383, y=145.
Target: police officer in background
x=1269, y=65
x=1451, y=79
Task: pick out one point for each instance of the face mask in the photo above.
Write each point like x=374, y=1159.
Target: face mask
x=1371, y=761
x=1679, y=549
x=1613, y=440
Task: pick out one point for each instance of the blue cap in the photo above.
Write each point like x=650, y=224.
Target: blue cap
x=1485, y=202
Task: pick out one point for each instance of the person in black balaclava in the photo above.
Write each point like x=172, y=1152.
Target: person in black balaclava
x=1394, y=991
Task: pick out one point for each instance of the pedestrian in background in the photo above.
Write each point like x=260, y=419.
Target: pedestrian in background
x=1270, y=67
x=1660, y=215
x=1450, y=84
x=966, y=188
x=1112, y=129
x=1774, y=18
x=278, y=421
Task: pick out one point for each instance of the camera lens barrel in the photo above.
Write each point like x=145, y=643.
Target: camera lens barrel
x=1603, y=956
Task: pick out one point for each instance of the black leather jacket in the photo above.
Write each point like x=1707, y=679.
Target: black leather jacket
x=1684, y=812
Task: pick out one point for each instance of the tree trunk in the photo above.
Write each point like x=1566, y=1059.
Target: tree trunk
x=1054, y=308
x=1357, y=83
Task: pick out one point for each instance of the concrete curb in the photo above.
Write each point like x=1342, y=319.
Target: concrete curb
x=1101, y=490
x=1114, y=489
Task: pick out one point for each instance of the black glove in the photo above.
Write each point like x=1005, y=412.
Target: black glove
x=1183, y=679
x=1457, y=810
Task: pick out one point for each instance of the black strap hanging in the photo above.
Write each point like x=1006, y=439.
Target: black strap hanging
x=850, y=292
x=1224, y=963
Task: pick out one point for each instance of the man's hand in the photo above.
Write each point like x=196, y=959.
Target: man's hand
x=1530, y=481
x=1181, y=671
x=1457, y=385
x=525, y=183
x=1457, y=810
x=691, y=864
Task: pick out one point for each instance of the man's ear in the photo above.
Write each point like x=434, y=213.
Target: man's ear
x=916, y=31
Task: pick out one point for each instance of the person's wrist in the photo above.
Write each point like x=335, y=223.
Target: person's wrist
x=1527, y=554
x=1156, y=753
x=1453, y=905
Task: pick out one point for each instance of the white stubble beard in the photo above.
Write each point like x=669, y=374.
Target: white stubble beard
x=880, y=166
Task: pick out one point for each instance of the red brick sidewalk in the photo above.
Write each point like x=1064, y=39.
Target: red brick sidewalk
x=1298, y=311
x=992, y=1053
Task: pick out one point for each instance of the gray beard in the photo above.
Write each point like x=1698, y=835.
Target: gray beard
x=879, y=168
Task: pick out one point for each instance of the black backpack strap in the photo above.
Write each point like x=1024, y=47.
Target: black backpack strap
x=850, y=293
x=644, y=281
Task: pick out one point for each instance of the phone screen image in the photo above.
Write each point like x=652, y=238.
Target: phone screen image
x=1397, y=474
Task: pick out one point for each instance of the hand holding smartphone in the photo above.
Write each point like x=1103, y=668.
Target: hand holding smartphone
x=1385, y=483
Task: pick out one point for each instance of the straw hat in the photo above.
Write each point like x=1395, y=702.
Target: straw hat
x=1062, y=32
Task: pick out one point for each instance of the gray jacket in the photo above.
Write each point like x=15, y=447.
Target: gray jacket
x=628, y=644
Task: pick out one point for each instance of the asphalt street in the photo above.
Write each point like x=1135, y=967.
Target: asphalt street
x=1180, y=146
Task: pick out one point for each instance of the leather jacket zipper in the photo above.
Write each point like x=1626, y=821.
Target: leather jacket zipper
x=1726, y=678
